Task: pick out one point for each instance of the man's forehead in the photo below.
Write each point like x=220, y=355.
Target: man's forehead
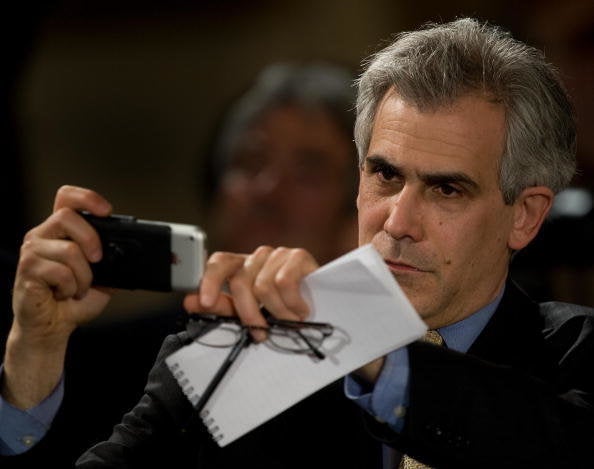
x=469, y=131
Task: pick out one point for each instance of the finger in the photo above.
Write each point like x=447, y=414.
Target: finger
x=71, y=256
x=66, y=223
x=223, y=306
x=289, y=279
x=279, y=282
x=40, y=277
x=79, y=198
x=59, y=278
x=219, y=268
x=45, y=297
x=266, y=289
x=241, y=285
x=38, y=254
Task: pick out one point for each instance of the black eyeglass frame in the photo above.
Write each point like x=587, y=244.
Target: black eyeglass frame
x=245, y=339
x=325, y=329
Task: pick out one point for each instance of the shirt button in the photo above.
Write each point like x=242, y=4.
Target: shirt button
x=28, y=440
x=400, y=411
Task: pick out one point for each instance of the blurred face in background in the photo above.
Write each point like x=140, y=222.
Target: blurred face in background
x=289, y=183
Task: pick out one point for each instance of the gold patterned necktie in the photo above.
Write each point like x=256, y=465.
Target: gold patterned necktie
x=433, y=337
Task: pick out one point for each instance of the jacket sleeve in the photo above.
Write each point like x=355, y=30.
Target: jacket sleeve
x=153, y=433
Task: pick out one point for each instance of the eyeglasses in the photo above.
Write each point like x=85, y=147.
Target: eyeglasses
x=282, y=335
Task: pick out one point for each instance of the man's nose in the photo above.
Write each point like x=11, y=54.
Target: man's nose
x=405, y=215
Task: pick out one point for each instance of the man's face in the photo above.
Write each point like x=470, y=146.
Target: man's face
x=288, y=185
x=429, y=201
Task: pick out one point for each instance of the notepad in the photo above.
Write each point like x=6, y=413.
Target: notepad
x=371, y=315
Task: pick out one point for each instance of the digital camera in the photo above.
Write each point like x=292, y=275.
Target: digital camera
x=148, y=255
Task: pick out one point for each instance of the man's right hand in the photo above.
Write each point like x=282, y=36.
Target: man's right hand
x=52, y=295
x=269, y=277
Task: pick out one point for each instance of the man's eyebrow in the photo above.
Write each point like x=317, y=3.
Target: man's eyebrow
x=430, y=179
x=436, y=179
x=377, y=160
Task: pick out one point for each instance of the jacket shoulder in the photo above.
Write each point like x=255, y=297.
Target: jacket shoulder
x=558, y=315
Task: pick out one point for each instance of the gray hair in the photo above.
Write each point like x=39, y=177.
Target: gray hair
x=432, y=67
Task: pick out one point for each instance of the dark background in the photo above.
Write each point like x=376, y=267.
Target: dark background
x=123, y=96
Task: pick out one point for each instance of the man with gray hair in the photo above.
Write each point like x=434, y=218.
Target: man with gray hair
x=464, y=136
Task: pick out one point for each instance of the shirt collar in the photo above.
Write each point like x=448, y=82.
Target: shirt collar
x=461, y=335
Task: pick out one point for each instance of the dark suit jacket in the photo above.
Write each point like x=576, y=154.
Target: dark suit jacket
x=522, y=397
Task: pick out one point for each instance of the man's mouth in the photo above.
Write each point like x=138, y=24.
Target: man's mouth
x=401, y=267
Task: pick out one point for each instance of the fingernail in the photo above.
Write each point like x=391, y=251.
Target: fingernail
x=206, y=300
x=302, y=315
x=95, y=256
x=258, y=336
x=105, y=207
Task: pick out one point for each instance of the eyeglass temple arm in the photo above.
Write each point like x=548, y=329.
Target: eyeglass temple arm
x=270, y=319
x=316, y=351
x=243, y=341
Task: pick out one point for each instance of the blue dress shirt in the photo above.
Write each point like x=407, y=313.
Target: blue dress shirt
x=388, y=399
x=21, y=429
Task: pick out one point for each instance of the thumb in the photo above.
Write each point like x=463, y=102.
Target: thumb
x=223, y=305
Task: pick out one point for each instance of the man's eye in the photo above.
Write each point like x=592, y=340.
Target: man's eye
x=447, y=190
x=387, y=173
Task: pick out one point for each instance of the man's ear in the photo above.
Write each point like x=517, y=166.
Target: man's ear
x=359, y=188
x=530, y=210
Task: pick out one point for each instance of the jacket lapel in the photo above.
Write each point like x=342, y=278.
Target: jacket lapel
x=513, y=337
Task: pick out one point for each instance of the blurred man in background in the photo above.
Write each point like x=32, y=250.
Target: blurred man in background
x=281, y=167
